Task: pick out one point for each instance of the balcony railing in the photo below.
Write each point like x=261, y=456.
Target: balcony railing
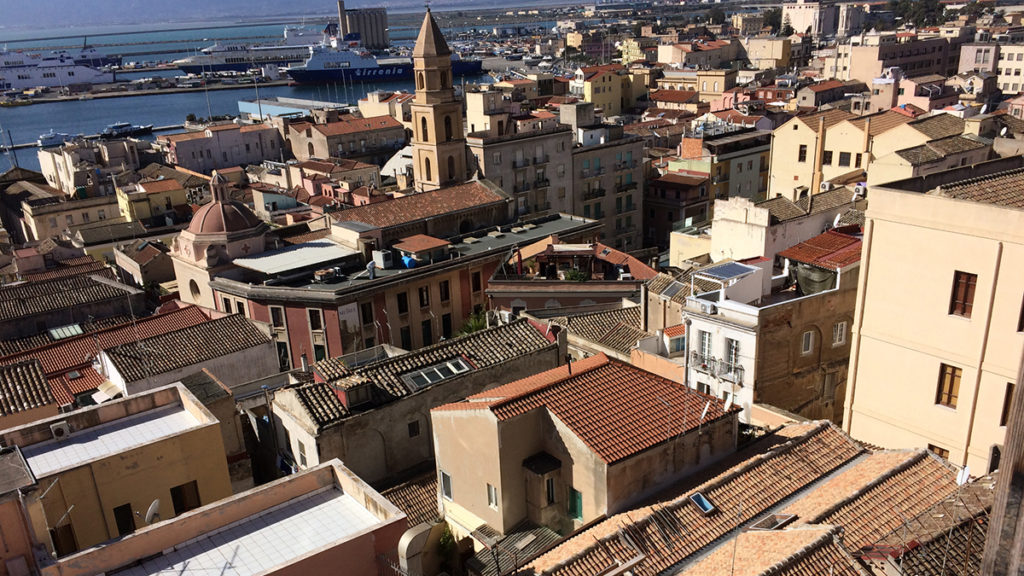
x=540, y=159
x=730, y=371
x=624, y=165
x=541, y=183
x=703, y=363
x=521, y=187
x=594, y=193
x=625, y=187
x=521, y=163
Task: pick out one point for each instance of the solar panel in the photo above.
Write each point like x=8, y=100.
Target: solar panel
x=726, y=271
x=672, y=289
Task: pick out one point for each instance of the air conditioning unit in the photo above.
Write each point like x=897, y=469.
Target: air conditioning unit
x=825, y=186
x=860, y=190
x=708, y=308
x=60, y=430
x=383, y=259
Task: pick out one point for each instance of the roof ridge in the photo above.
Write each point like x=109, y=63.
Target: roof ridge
x=202, y=325
x=589, y=364
x=831, y=532
x=914, y=457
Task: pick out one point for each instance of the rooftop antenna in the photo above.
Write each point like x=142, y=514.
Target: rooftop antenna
x=962, y=477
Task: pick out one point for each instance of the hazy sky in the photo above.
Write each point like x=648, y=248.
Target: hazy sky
x=48, y=14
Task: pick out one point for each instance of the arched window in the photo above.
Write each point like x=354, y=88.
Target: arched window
x=423, y=129
x=419, y=81
x=309, y=147
x=426, y=169
x=447, y=128
x=451, y=167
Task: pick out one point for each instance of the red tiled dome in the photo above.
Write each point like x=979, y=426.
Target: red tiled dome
x=223, y=217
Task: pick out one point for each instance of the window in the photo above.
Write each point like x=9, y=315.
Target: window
x=839, y=333
x=1007, y=400
x=732, y=353
x=445, y=289
x=225, y=304
x=69, y=219
x=422, y=378
x=406, y=336
x=575, y=504
x=302, y=453
x=185, y=497
x=366, y=311
x=424, y=296
x=277, y=317
x=826, y=158
x=807, y=343
x=549, y=489
x=403, y=303
x=427, y=332
x=414, y=429
x=949, y=385
x=492, y=496
x=857, y=160
x=844, y=158
x=962, y=300
x=678, y=344
x=446, y=325
x=316, y=319
x=801, y=156
x=477, y=282
x=938, y=451
x=240, y=307
x=446, y=485
x=705, y=344
x=85, y=217
x=125, y=519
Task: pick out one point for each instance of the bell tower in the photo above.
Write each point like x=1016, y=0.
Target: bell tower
x=439, y=143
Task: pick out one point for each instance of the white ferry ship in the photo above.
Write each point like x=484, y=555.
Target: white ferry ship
x=293, y=49
x=19, y=70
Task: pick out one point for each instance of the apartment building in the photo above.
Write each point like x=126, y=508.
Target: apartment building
x=534, y=167
x=817, y=19
x=608, y=185
x=672, y=200
x=700, y=53
x=48, y=213
x=948, y=382
x=609, y=87
x=866, y=56
x=540, y=450
x=373, y=140
x=709, y=83
x=98, y=464
x=767, y=53
x=88, y=164
x=736, y=160
x=152, y=201
x=387, y=103
x=747, y=24
x=221, y=146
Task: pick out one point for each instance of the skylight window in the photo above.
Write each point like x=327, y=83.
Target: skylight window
x=433, y=374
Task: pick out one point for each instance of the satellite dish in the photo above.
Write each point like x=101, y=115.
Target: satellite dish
x=963, y=476
x=728, y=404
x=984, y=109
x=153, y=514
x=1003, y=131
x=705, y=412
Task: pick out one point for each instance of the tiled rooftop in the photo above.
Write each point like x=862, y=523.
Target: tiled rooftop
x=830, y=250
x=23, y=387
x=483, y=349
x=667, y=533
x=659, y=409
x=423, y=205
x=352, y=125
x=22, y=300
x=185, y=347
x=809, y=550
x=417, y=498
x=831, y=117
x=938, y=126
x=68, y=268
x=936, y=150
x=108, y=439
x=1001, y=189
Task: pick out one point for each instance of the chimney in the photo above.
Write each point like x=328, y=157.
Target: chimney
x=819, y=153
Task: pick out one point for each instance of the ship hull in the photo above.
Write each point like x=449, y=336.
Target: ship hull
x=303, y=75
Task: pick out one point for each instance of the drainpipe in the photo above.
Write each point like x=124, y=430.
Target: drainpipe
x=981, y=352
x=867, y=144
x=858, y=321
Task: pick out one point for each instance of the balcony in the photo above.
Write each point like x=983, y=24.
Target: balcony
x=625, y=187
x=731, y=372
x=540, y=159
x=541, y=183
x=521, y=187
x=625, y=165
x=521, y=163
x=594, y=193
x=542, y=207
x=703, y=363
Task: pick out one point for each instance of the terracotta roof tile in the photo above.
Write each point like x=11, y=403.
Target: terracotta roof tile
x=826, y=85
x=423, y=205
x=30, y=298
x=579, y=395
x=66, y=270
x=881, y=121
x=674, y=96
x=1001, y=189
x=420, y=243
x=188, y=346
x=72, y=353
x=417, y=498
x=830, y=250
x=65, y=388
x=155, y=186
x=831, y=117
x=483, y=349
x=825, y=496
x=938, y=126
x=358, y=125
x=675, y=331
x=809, y=550
x=23, y=387
x=17, y=345
x=653, y=532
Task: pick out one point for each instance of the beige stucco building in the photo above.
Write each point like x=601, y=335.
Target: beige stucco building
x=938, y=333
x=571, y=445
x=99, y=469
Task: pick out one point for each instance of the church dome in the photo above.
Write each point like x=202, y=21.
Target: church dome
x=220, y=217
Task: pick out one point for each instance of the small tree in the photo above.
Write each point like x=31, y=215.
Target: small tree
x=715, y=15
x=773, y=18
x=476, y=322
